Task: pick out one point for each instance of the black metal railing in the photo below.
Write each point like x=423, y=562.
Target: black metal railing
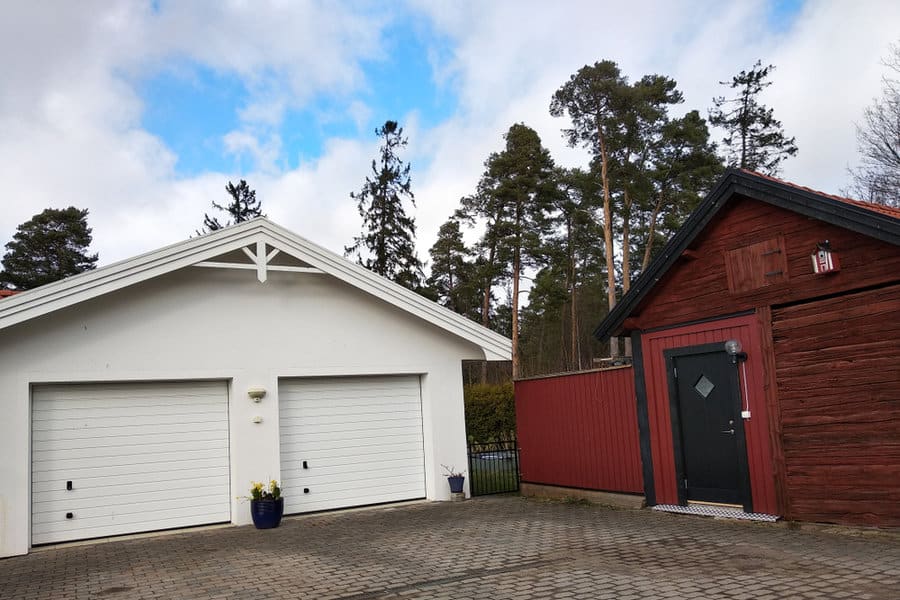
x=494, y=467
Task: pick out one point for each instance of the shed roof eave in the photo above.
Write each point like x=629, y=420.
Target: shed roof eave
x=735, y=182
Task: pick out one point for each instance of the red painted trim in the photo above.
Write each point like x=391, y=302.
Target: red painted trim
x=759, y=453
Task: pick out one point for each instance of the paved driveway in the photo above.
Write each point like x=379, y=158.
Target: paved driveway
x=484, y=548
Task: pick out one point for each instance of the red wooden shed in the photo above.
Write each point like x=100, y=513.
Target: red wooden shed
x=766, y=341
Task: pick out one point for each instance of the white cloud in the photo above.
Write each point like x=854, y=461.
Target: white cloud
x=264, y=154
x=71, y=118
x=314, y=199
x=286, y=50
x=361, y=113
x=828, y=71
x=511, y=56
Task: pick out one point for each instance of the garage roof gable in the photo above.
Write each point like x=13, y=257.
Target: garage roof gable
x=260, y=235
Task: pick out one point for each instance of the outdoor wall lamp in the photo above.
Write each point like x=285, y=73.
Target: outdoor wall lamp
x=733, y=349
x=256, y=393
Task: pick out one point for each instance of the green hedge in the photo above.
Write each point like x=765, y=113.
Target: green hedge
x=490, y=412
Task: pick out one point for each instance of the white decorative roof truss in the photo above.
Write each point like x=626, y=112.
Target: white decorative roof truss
x=257, y=245
x=260, y=261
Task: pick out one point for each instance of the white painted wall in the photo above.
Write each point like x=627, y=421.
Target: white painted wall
x=220, y=324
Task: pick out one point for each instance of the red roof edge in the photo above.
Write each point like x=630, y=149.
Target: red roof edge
x=878, y=208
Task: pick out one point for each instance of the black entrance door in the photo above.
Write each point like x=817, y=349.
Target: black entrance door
x=708, y=432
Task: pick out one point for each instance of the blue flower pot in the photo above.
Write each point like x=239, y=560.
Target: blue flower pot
x=456, y=484
x=266, y=513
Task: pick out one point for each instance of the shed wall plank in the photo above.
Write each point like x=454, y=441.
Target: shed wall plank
x=839, y=387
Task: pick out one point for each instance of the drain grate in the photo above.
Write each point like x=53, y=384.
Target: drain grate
x=705, y=510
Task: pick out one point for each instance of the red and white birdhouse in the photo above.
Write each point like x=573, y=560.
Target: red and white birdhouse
x=825, y=260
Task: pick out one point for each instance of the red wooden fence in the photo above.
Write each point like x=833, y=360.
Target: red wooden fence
x=580, y=430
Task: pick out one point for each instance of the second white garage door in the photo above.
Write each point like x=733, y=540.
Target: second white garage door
x=350, y=441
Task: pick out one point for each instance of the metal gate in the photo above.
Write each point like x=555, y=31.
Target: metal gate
x=494, y=467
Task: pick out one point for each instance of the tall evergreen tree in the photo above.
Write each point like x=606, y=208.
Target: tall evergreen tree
x=878, y=138
x=617, y=121
x=683, y=166
x=388, y=233
x=514, y=200
x=645, y=112
x=594, y=99
x=243, y=206
x=754, y=138
x=453, y=274
x=486, y=208
x=48, y=247
x=572, y=254
x=542, y=347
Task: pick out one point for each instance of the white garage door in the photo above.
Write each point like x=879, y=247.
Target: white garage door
x=350, y=441
x=137, y=457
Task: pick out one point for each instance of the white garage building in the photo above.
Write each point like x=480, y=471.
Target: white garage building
x=128, y=403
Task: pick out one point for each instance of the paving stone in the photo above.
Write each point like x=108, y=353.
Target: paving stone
x=503, y=548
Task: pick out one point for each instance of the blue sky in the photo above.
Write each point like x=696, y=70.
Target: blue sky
x=782, y=13
x=191, y=106
x=141, y=112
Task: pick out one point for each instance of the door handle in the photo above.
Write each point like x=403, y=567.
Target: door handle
x=731, y=431
x=305, y=466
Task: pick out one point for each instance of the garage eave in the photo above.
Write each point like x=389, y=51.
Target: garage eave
x=91, y=284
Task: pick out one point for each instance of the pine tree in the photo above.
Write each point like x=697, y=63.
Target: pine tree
x=645, y=112
x=594, y=98
x=514, y=200
x=483, y=207
x=50, y=246
x=617, y=122
x=453, y=275
x=754, y=138
x=683, y=167
x=573, y=256
x=242, y=207
x=388, y=233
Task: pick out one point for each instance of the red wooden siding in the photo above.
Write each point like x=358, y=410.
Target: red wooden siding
x=580, y=431
x=697, y=287
x=759, y=453
x=838, y=379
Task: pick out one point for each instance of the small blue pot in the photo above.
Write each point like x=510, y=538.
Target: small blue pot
x=266, y=513
x=456, y=484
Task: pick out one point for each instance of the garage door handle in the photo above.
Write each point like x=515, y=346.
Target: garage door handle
x=69, y=486
x=305, y=490
x=305, y=466
x=70, y=516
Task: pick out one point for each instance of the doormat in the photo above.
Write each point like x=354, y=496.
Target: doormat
x=723, y=512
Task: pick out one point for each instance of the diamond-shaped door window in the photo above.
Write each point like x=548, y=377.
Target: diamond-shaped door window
x=704, y=386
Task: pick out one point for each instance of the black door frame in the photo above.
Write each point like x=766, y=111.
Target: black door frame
x=675, y=414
